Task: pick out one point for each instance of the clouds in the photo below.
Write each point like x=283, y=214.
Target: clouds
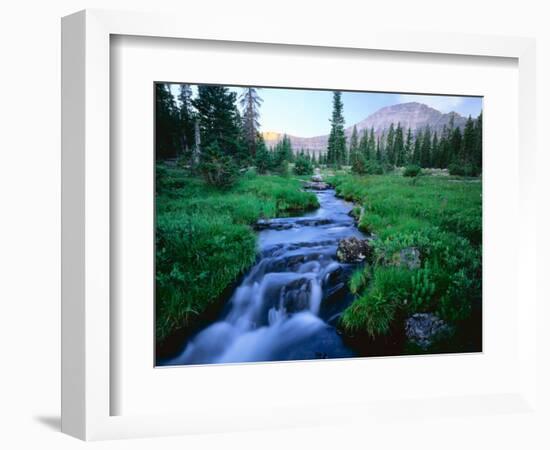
x=442, y=103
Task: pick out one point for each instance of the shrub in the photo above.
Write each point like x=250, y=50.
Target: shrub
x=374, y=168
x=217, y=168
x=164, y=181
x=358, y=165
x=423, y=289
x=464, y=170
x=412, y=171
x=263, y=159
x=303, y=166
x=281, y=168
x=363, y=166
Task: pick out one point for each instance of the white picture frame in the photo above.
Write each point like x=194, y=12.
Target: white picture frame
x=86, y=224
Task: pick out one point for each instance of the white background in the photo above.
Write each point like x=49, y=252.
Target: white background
x=30, y=187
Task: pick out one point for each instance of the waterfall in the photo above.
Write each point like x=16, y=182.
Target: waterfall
x=284, y=306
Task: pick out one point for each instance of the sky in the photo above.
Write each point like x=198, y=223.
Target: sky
x=306, y=113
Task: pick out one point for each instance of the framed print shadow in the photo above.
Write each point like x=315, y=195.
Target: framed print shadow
x=301, y=224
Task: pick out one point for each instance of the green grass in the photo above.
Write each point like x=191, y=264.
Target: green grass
x=374, y=309
x=204, y=240
x=441, y=217
x=394, y=202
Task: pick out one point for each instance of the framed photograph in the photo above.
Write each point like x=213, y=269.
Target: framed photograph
x=324, y=229
x=270, y=246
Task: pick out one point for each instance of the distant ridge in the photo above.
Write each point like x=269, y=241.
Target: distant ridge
x=412, y=115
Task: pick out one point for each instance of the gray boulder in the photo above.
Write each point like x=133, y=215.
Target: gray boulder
x=408, y=257
x=425, y=329
x=353, y=250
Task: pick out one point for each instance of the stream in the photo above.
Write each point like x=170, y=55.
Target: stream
x=289, y=302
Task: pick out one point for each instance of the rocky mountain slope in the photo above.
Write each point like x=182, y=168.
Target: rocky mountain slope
x=414, y=115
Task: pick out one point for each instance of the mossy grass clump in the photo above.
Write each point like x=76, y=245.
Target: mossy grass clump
x=412, y=171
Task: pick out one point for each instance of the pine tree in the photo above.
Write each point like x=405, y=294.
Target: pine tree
x=425, y=148
x=379, y=147
x=455, y=147
x=398, y=147
x=283, y=151
x=263, y=156
x=434, y=154
x=478, y=147
x=390, y=154
x=242, y=154
x=337, y=139
x=442, y=160
x=364, y=145
x=219, y=119
x=409, y=147
x=168, y=131
x=416, y=152
x=353, y=146
x=250, y=103
x=187, y=120
x=468, y=142
x=371, y=145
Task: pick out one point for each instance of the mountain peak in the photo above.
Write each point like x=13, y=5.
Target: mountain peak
x=413, y=115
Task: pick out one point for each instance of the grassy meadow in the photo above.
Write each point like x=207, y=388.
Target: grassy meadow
x=441, y=218
x=205, y=241
x=204, y=238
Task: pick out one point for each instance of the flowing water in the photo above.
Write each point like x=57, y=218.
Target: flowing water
x=287, y=305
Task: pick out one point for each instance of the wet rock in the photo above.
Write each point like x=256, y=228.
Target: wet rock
x=276, y=224
x=425, y=329
x=291, y=263
x=317, y=178
x=314, y=222
x=408, y=257
x=316, y=185
x=334, y=277
x=281, y=249
x=335, y=292
x=295, y=295
x=263, y=224
x=353, y=250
